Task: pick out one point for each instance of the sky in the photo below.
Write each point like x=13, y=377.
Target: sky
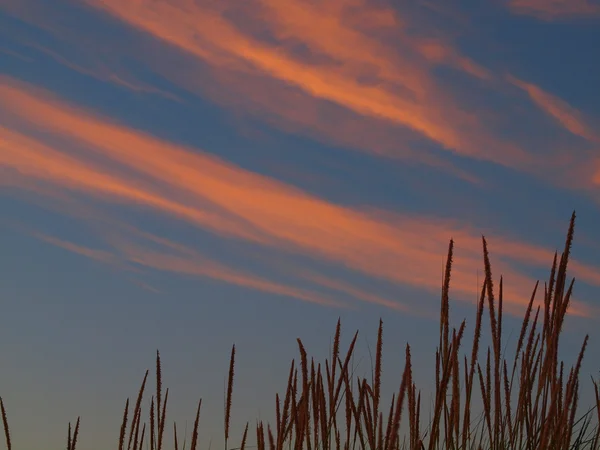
x=185, y=175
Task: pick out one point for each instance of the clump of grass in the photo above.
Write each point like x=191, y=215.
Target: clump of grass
x=529, y=403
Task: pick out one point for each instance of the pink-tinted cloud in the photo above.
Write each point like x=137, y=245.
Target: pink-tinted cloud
x=117, y=164
x=349, y=83
x=363, y=84
x=555, y=9
x=340, y=63
x=569, y=117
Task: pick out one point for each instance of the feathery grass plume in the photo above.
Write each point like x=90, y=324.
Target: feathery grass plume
x=496, y=324
x=508, y=414
x=455, y=404
x=304, y=398
x=151, y=437
x=137, y=412
x=229, y=392
x=400, y=400
x=260, y=436
x=282, y=432
x=411, y=415
x=69, y=437
x=123, y=427
x=388, y=429
x=5, y=423
x=137, y=420
x=488, y=381
x=568, y=435
x=409, y=388
x=243, y=445
x=440, y=400
x=549, y=294
x=323, y=412
x=75, y=434
x=195, y=431
x=354, y=411
x=142, y=437
x=271, y=439
x=315, y=402
x=445, y=305
x=597, y=433
x=161, y=427
x=344, y=368
x=158, y=391
x=486, y=405
x=368, y=414
x=332, y=424
x=136, y=430
x=562, y=269
x=572, y=392
x=471, y=374
x=294, y=423
x=418, y=420
x=380, y=432
x=277, y=417
x=490, y=294
x=347, y=412
x=377, y=380
x=497, y=369
x=524, y=327
x=334, y=358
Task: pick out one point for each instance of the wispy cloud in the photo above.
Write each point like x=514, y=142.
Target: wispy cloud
x=556, y=9
x=188, y=263
x=364, y=79
x=339, y=63
x=14, y=54
x=569, y=117
x=117, y=164
x=102, y=72
x=370, y=85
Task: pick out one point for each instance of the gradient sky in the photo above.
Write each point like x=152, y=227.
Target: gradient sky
x=189, y=174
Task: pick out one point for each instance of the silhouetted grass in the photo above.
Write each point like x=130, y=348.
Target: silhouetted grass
x=326, y=407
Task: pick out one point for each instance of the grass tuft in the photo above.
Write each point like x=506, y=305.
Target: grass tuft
x=528, y=402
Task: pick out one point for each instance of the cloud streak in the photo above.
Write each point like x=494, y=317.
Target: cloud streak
x=567, y=116
x=113, y=163
x=188, y=263
x=341, y=63
x=363, y=78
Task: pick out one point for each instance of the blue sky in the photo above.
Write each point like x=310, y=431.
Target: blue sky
x=185, y=175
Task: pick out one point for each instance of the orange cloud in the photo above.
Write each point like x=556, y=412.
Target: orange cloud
x=569, y=117
x=337, y=62
x=555, y=9
x=118, y=164
x=362, y=80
